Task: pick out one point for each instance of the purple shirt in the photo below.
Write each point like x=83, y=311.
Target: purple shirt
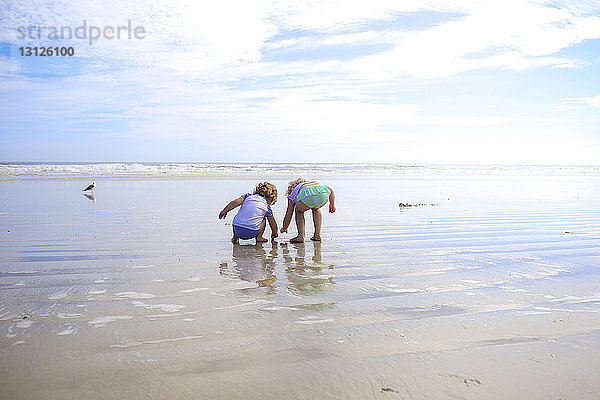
x=252, y=212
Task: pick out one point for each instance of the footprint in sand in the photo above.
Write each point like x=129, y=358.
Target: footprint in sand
x=469, y=382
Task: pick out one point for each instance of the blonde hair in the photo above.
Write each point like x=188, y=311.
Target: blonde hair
x=267, y=190
x=294, y=183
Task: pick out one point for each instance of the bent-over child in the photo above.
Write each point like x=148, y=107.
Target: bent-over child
x=249, y=222
x=304, y=195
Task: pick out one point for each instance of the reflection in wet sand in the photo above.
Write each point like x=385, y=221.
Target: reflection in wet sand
x=90, y=196
x=252, y=263
x=305, y=279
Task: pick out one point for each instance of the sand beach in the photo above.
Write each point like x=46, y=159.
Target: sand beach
x=489, y=290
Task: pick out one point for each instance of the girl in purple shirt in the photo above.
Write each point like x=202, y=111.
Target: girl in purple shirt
x=249, y=223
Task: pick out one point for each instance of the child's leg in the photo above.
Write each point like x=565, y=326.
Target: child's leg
x=317, y=222
x=300, y=209
x=235, y=239
x=260, y=238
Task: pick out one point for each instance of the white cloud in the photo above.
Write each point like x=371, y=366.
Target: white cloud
x=515, y=34
x=193, y=74
x=201, y=37
x=8, y=66
x=593, y=101
x=572, y=103
x=339, y=15
x=566, y=107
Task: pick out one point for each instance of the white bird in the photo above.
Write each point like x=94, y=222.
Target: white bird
x=91, y=187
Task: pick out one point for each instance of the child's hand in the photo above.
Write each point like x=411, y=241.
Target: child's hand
x=331, y=208
x=222, y=214
x=283, y=230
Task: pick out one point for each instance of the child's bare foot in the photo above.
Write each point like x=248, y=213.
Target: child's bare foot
x=297, y=239
x=316, y=238
x=260, y=239
x=235, y=240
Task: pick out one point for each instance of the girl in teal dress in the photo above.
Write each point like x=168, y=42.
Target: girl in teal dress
x=304, y=195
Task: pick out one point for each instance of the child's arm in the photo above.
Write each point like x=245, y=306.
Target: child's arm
x=232, y=204
x=288, y=216
x=273, y=225
x=331, y=201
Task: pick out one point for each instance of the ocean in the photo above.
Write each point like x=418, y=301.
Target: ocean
x=164, y=169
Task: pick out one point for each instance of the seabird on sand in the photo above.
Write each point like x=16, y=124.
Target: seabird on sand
x=91, y=187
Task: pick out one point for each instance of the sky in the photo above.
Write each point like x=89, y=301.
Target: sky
x=414, y=81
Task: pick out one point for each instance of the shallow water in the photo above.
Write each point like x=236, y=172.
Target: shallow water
x=489, y=290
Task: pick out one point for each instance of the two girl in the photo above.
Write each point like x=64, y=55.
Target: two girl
x=303, y=195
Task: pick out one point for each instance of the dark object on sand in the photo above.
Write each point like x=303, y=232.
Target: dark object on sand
x=91, y=187
x=402, y=205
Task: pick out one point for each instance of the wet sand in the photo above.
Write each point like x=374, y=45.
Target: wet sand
x=493, y=292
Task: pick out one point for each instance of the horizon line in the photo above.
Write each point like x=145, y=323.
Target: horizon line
x=300, y=163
